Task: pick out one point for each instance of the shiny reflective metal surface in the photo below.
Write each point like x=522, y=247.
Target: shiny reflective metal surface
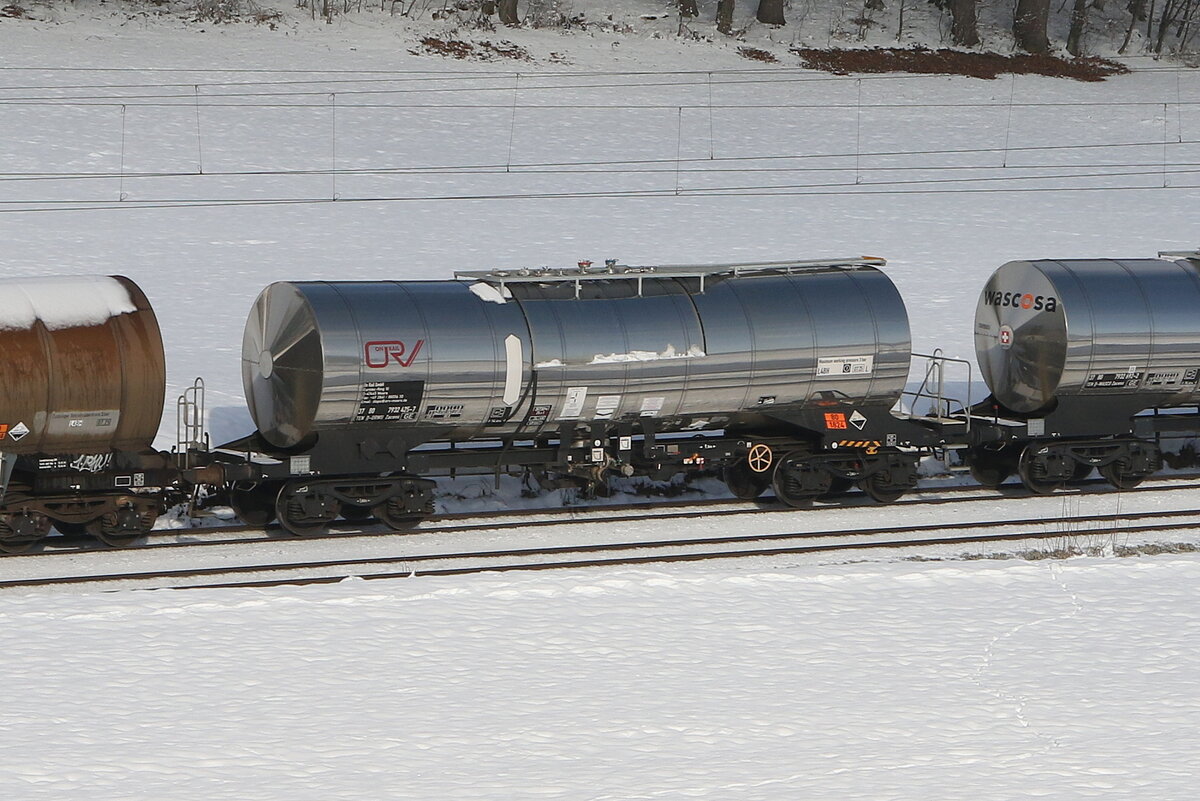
x=1125, y=327
x=437, y=357
x=82, y=389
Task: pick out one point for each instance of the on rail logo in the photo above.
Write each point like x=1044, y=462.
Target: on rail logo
x=381, y=353
x=1020, y=300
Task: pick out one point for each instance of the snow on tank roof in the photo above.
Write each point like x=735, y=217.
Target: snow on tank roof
x=61, y=301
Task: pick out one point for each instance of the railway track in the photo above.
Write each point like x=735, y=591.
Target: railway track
x=626, y=553
x=214, y=536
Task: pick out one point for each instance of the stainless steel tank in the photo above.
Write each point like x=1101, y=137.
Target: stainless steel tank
x=1049, y=329
x=82, y=369
x=502, y=353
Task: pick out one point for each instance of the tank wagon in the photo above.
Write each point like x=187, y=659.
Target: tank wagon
x=1074, y=352
x=83, y=378
x=781, y=374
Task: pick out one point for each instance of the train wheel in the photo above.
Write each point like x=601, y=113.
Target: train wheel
x=1042, y=474
x=1117, y=475
x=990, y=468
x=254, y=504
x=743, y=482
x=305, y=512
x=393, y=515
x=880, y=489
x=798, y=483
x=122, y=528
x=20, y=532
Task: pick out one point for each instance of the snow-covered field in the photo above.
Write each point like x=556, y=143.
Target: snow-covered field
x=877, y=681
x=884, y=680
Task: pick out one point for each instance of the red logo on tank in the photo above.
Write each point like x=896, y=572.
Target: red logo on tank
x=380, y=353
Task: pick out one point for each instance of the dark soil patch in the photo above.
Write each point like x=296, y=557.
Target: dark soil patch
x=482, y=51
x=754, y=54
x=953, y=62
x=14, y=12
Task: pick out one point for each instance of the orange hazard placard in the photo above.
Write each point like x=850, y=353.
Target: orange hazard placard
x=835, y=420
x=3, y=430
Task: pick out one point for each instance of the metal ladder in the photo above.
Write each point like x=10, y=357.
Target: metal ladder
x=190, y=436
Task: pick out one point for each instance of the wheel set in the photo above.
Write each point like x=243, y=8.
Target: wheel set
x=1045, y=467
x=800, y=476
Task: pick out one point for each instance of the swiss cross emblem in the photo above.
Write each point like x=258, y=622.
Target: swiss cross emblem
x=1006, y=336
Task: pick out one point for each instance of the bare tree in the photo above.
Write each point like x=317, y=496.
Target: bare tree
x=1178, y=14
x=1029, y=26
x=1079, y=15
x=1137, y=13
x=687, y=8
x=771, y=12
x=964, y=27
x=508, y=11
x=725, y=16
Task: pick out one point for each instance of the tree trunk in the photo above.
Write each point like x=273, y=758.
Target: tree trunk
x=964, y=29
x=1029, y=26
x=725, y=16
x=1170, y=13
x=687, y=8
x=487, y=9
x=1079, y=15
x=508, y=11
x=771, y=12
x=1137, y=9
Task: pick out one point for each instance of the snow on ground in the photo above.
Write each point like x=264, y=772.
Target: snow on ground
x=988, y=679
x=882, y=681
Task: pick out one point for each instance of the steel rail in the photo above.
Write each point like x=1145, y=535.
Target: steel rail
x=409, y=563
x=594, y=514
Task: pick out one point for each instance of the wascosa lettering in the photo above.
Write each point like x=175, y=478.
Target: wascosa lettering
x=379, y=354
x=1020, y=300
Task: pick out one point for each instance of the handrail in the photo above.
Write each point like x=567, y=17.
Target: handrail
x=935, y=373
x=612, y=271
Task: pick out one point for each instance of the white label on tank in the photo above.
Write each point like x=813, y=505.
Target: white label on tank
x=606, y=406
x=842, y=366
x=576, y=397
x=651, y=406
x=1035, y=426
x=91, y=423
x=512, y=373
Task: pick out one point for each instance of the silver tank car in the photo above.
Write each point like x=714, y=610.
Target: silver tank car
x=515, y=353
x=83, y=369
x=1046, y=330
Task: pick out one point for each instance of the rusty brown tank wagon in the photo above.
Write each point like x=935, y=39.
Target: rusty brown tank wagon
x=83, y=369
x=789, y=376
x=83, y=377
